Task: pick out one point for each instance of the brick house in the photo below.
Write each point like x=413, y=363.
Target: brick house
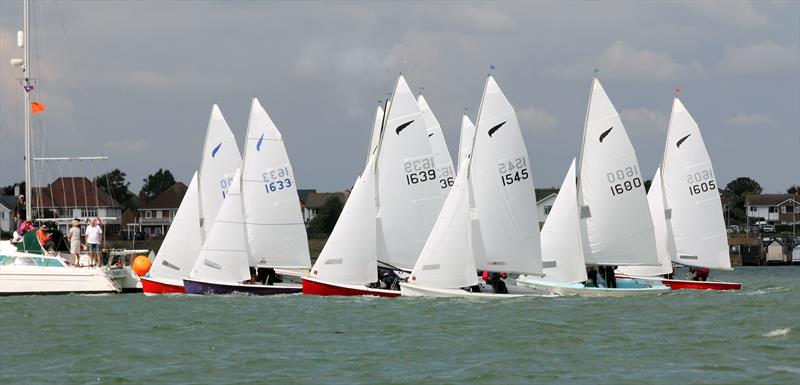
x=154, y=217
x=75, y=197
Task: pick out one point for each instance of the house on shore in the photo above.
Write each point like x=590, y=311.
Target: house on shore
x=314, y=201
x=8, y=204
x=155, y=216
x=776, y=209
x=75, y=197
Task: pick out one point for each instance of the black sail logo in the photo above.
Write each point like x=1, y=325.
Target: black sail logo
x=495, y=128
x=431, y=134
x=681, y=140
x=402, y=126
x=605, y=133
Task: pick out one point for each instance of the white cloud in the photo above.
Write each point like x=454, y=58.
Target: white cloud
x=481, y=18
x=125, y=145
x=738, y=12
x=742, y=119
x=623, y=61
x=537, y=119
x=761, y=58
x=644, y=121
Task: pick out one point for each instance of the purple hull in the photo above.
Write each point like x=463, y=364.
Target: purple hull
x=201, y=287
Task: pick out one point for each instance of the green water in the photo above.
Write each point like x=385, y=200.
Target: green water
x=746, y=337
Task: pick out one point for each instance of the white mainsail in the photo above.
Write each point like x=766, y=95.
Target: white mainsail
x=561, y=234
x=616, y=227
x=692, y=203
x=220, y=160
x=502, y=187
x=276, y=232
x=655, y=199
x=441, y=155
x=487, y=222
x=349, y=254
x=224, y=255
x=409, y=196
x=465, y=140
x=183, y=240
x=447, y=260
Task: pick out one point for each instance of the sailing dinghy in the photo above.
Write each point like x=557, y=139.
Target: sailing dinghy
x=445, y=173
x=563, y=265
x=694, y=230
x=259, y=227
x=390, y=211
x=197, y=210
x=614, y=223
x=488, y=221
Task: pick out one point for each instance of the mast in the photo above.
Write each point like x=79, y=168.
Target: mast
x=26, y=73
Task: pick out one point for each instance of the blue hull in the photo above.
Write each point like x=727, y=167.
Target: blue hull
x=201, y=287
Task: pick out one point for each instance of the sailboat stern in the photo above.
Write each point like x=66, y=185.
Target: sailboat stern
x=316, y=286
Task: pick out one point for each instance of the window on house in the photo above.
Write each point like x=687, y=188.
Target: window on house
x=547, y=210
x=171, y=214
x=148, y=214
x=788, y=208
x=773, y=209
x=157, y=231
x=159, y=214
x=147, y=230
x=753, y=209
x=90, y=212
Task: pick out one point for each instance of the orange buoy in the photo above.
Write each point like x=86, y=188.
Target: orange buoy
x=141, y=265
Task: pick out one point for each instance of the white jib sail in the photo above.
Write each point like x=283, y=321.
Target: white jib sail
x=465, y=140
x=224, y=257
x=691, y=192
x=276, y=232
x=615, y=219
x=441, y=155
x=376, y=132
x=409, y=196
x=447, y=260
x=220, y=160
x=502, y=186
x=183, y=240
x=655, y=199
x=561, y=234
x=349, y=253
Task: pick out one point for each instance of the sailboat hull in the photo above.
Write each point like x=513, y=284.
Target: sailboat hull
x=313, y=286
x=685, y=284
x=680, y=284
x=412, y=290
x=634, y=288
x=192, y=286
x=155, y=286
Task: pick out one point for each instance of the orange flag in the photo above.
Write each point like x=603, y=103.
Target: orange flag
x=37, y=108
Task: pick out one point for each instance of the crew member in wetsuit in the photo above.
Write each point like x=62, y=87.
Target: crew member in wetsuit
x=496, y=280
x=591, y=274
x=700, y=273
x=387, y=279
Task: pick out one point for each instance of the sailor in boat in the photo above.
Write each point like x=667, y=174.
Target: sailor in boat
x=700, y=273
x=591, y=274
x=388, y=279
x=496, y=281
x=265, y=276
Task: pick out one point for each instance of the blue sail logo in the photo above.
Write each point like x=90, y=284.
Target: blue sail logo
x=260, y=141
x=215, y=150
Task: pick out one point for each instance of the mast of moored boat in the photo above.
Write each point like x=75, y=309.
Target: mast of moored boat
x=26, y=73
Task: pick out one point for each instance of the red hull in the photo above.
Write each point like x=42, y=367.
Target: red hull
x=679, y=284
x=154, y=287
x=325, y=289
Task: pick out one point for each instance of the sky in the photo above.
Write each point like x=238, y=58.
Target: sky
x=135, y=80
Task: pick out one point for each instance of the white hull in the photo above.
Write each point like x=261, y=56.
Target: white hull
x=126, y=278
x=578, y=289
x=17, y=280
x=411, y=290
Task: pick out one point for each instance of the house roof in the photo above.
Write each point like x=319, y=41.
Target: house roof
x=316, y=200
x=71, y=192
x=8, y=201
x=771, y=199
x=303, y=193
x=544, y=193
x=169, y=199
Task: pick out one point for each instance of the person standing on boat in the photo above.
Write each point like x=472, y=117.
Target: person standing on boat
x=700, y=273
x=74, y=236
x=93, y=238
x=20, y=212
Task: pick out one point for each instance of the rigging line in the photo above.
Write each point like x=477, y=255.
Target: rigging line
x=74, y=193
x=61, y=20
x=85, y=199
x=94, y=187
x=63, y=188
